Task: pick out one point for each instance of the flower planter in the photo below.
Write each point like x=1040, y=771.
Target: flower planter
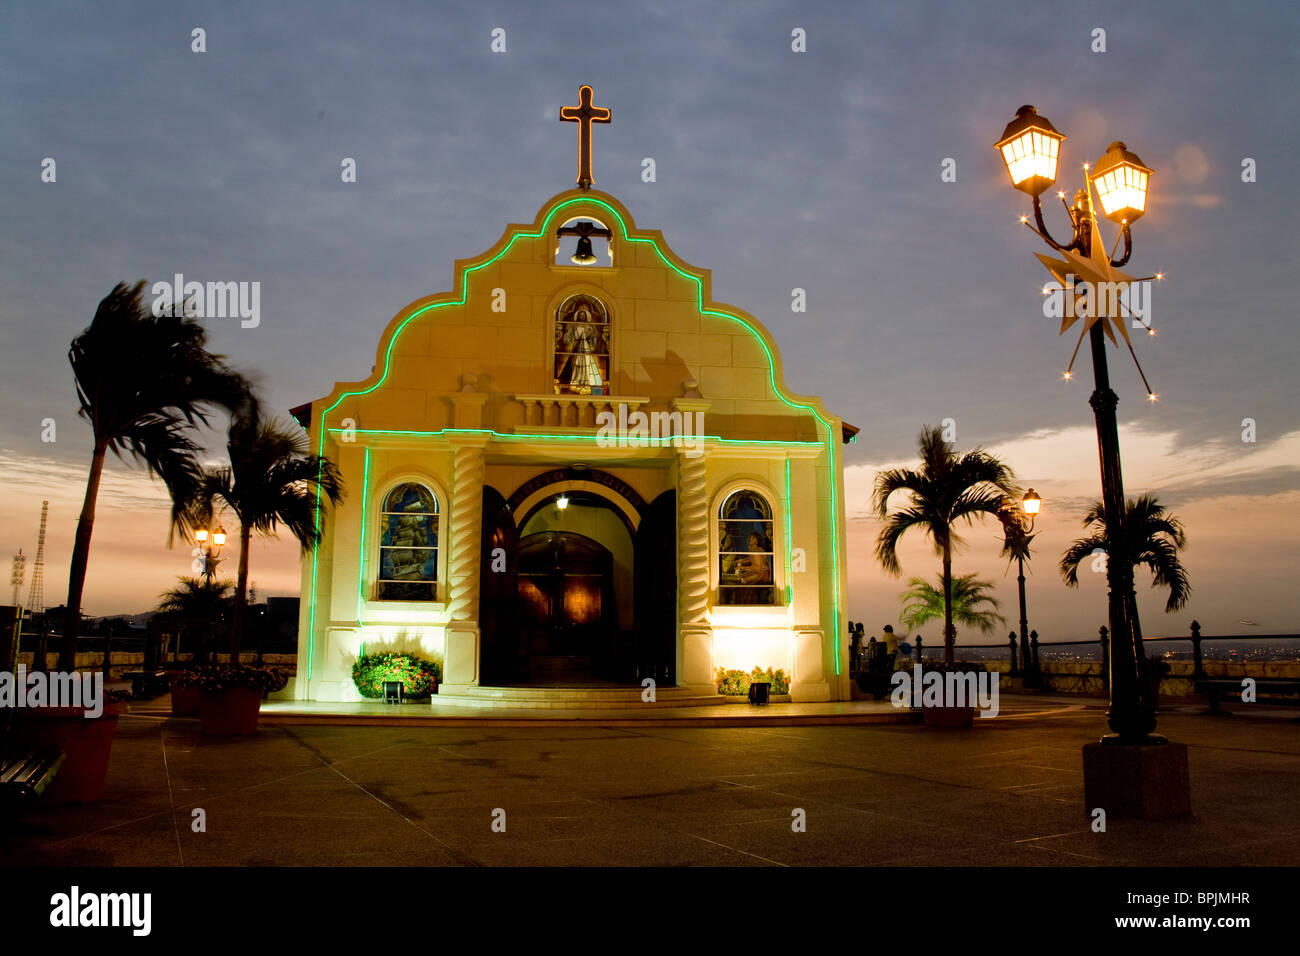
x=86, y=742
x=230, y=712
x=185, y=700
x=948, y=716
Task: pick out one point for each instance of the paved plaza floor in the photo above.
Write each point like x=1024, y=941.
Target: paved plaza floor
x=579, y=792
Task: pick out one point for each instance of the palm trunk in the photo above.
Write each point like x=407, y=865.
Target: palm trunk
x=241, y=594
x=80, y=559
x=949, y=634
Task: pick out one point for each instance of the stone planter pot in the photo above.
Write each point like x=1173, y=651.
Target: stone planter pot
x=231, y=712
x=86, y=742
x=948, y=716
x=185, y=701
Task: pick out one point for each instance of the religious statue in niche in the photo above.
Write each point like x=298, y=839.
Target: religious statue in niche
x=582, y=347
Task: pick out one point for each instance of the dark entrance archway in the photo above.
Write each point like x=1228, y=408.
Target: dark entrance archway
x=548, y=611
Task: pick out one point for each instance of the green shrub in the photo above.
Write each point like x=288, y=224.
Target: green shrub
x=735, y=683
x=416, y=674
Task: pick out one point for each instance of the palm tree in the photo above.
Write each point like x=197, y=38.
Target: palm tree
x=1152, y=536
x=1016, y=539
x=143, y=382
x=945, y=489
x=195, y=605
x=271, y=480
x=972, y=604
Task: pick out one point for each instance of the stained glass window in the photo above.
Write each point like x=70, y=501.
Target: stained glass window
x=408, y=545
x=582, y=347
x=745, y=559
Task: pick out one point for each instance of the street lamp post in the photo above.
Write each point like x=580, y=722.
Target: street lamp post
x=1090, y=280
x=1030, y=506
x=210, y=544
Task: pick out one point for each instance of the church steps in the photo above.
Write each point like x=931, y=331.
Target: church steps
x=573, y=698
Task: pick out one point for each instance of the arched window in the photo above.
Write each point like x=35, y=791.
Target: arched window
x=745, y=565
x=408, y=545
x=582, y=337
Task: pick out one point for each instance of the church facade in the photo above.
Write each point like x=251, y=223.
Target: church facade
x=576, y=471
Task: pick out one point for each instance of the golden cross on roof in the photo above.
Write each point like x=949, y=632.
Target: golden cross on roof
x=584, y=115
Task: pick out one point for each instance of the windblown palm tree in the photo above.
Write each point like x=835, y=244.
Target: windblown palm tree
x=1015, y=538
x=271, y=480
x=1152, y=536
x=972, y=604
x=945, y=489
x=143, y=382
x=196, y=605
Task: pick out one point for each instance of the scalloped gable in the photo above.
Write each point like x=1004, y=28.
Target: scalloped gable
x=495, y=325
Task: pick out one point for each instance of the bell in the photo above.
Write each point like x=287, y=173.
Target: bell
x=583, y=256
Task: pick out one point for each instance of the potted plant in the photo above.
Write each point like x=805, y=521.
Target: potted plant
x=735, y=684
x=86, y=742
x=185, y=693
x=946, y=714
x=419, y=677
x=230, y=696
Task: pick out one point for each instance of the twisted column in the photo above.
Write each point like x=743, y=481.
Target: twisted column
x=692, y=539
x=466, y=533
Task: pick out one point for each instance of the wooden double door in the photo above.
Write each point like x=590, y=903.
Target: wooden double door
x=548, y=608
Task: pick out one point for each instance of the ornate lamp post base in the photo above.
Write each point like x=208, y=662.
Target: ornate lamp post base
x=1137, y=781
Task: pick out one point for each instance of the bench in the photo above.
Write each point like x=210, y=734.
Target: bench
x=145, y=684
x=25, y=777
x=1217, y=688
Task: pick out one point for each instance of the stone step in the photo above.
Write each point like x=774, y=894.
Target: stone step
x=572, y=698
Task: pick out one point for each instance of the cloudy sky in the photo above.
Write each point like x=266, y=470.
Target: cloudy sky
x=776, y=169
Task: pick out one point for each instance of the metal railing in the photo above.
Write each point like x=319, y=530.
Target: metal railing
x=1032, y=669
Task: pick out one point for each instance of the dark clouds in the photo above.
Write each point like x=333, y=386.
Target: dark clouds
x=775, y=170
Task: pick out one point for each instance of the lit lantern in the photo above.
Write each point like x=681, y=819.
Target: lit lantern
x=1121, y=182
x=1030, y=146
x=1031, y=503
x=219, y=536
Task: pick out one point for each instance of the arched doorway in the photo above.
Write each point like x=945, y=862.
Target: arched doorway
x=574, y=598
x=579, y=583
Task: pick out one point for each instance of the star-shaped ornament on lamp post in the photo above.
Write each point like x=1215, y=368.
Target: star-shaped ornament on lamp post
x=1131, y=772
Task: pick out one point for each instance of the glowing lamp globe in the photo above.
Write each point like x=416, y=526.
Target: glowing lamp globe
x=1121, y=183
x=200, y=536
x=1030, y=146
x=1031, y=503
x=219, y=537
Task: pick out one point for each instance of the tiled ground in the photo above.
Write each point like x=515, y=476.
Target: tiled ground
x=1008, y=792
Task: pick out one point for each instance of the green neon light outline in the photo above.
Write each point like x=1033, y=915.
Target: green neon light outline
x=789, y=540
x=699, y=299
x=361, y=560
x=527, y=436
